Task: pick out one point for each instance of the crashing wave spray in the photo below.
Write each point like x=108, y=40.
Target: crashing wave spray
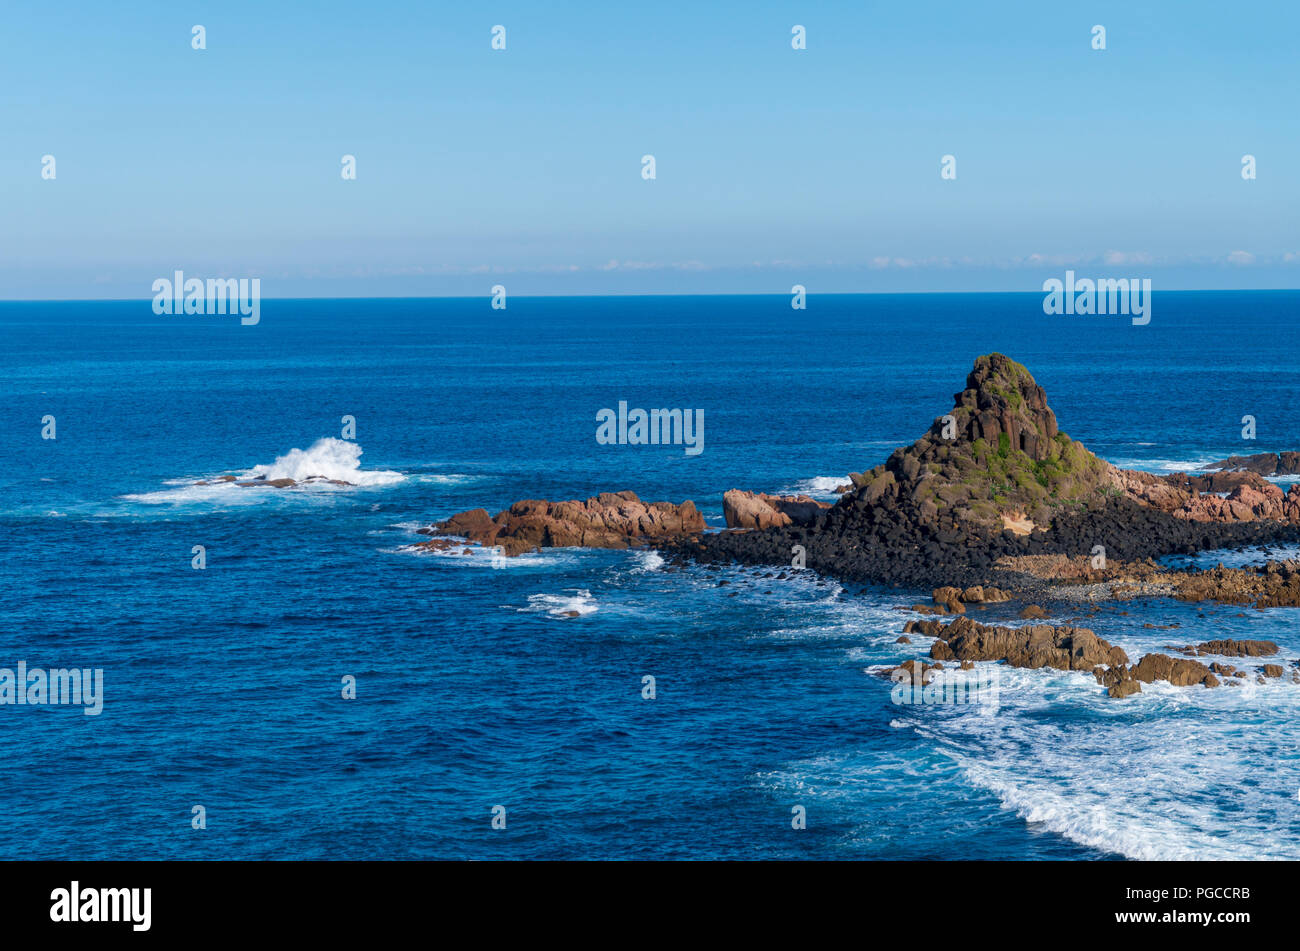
x=327, y=459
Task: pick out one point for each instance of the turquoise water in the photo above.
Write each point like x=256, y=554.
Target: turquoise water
x=474, y=688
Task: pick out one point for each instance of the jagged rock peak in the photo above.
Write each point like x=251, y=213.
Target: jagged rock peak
x=1001, y=398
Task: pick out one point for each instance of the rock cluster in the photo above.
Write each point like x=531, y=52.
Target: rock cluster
x=996, y=479
x=1273, y=585
x=1036, y=645
x=1074, y=648
x=1261, y=463
x=996, y=459
x=1240, y=496
x=608, y=520
x=1231, y=648
x=1123, y=681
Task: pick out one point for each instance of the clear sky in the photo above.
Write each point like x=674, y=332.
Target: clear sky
x=523, y=166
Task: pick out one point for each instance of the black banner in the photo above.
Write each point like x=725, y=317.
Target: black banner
x=144, y=900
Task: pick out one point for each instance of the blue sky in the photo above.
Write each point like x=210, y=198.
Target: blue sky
x=523, y=167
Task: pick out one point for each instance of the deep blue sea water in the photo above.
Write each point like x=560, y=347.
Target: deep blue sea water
x=222, y=686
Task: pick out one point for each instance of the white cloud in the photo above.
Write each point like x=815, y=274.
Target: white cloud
x=1121, y=258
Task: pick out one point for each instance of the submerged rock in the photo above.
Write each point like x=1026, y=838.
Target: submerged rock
x=262, y=482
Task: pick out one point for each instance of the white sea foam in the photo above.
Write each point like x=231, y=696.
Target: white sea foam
x=409, y=526
x=648, y=560
x=328, y=458
x=224, y=493
x=1155, y=776
x=819, y=487
x=576, y=601
x=1172, y=773
x=479, y=557
x=446, y=478
x=1165, y=466
x=1229, y=558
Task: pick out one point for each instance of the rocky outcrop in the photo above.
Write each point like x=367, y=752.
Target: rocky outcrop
x=1068, y=648
x=1038, y=645
x=995, y=479
x=1123, y=688
x=756, y=510
x=1274, y=585
x=608, y=520
x=1231, y=648
x=1237, y=496
x=996, y=460
x=975, y=594
x=262, y=482
x=1123, y=681
x=916, y=671
x=1261, y=463
x=1178, y=671
x=1246, y=503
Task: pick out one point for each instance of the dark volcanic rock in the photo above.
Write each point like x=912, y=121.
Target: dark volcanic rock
x=995, y=479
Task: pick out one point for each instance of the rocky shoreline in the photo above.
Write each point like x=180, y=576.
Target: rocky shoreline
x=1074, y=648
x=994, y=494
x=608, y=520
x=992, y=503
x=995, y=482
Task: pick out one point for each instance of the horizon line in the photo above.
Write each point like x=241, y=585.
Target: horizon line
x=782, y=294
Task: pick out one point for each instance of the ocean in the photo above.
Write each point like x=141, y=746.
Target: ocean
x=483, y=682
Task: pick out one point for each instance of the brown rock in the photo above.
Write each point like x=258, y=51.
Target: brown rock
x=1176, y=670
x=608, y=520
x=1064, y=648
x=1231, y=648
x=755, y=510
x=1124, y=688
